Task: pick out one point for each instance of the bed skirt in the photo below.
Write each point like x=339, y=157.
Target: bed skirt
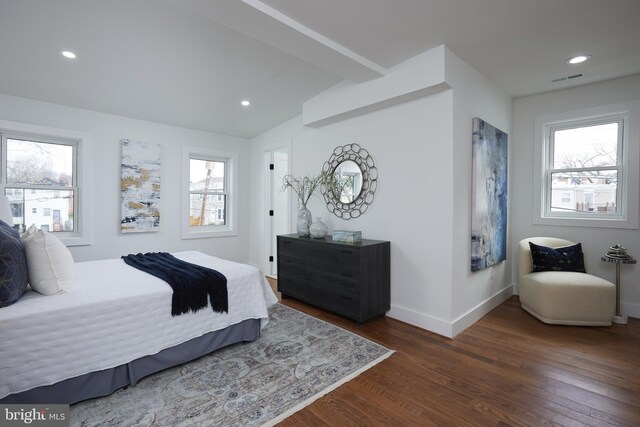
x=103, y=383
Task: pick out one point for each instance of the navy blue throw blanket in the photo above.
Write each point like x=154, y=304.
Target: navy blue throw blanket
x=191, y=283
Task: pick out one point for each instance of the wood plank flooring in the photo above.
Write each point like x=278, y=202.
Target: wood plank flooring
x=509, y=369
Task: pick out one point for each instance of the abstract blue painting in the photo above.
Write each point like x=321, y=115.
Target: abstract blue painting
x=489, y=195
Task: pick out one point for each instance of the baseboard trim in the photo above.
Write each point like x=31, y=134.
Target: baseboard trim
x=480, y=310
x=630, y=309
x=443, y=327
x=421, y=320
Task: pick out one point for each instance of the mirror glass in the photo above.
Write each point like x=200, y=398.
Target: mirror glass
x=347, y=181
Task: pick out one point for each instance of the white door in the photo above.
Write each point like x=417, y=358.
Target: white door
x=278, y=208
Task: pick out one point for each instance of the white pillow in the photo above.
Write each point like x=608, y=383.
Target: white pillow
x=49, y=261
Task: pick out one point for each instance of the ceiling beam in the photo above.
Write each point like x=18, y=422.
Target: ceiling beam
x=369, y=68
x=265, y=24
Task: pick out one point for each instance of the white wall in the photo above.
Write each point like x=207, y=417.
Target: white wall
x=422, y=149
x=474, y=293
x=107, y=131
x=594, y=240
x=410, y=144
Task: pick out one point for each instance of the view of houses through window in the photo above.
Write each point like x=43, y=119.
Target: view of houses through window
x=584, y=168
x=38, y=179
x=208, y=192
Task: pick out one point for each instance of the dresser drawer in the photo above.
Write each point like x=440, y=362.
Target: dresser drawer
x=333, y=284
x=313, y=292
x=291, y=266
x=345, y=305
x=291, y=248
x=313, y=283
x=337, y=261
x=290, y=285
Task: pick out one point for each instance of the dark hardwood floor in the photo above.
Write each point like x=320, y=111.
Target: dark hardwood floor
x=507, y=369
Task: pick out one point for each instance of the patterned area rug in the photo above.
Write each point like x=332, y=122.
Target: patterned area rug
x=296, y=360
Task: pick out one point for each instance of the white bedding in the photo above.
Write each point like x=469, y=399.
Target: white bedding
x=113, y=314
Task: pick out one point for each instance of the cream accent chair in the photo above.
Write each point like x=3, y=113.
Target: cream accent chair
x=562, y=297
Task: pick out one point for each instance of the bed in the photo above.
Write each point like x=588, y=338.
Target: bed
x=115, y=327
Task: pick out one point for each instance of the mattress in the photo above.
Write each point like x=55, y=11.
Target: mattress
x=114, y=314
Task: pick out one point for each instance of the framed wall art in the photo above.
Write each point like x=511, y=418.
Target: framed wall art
x=489, y=195
x=140, y=187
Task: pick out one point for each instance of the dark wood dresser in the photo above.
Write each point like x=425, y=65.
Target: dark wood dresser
x=350, y=279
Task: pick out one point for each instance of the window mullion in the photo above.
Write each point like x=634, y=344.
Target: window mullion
x=578, y=170
x=214, y=193
x=39, y=187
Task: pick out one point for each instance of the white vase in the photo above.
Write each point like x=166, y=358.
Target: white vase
x=318, y=229
x=304, y=221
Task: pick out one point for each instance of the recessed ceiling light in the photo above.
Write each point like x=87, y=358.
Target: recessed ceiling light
x=245, y=103
x=578, y=59
x=68, y=54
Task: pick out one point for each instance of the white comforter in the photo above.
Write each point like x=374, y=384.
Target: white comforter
x=113, y=315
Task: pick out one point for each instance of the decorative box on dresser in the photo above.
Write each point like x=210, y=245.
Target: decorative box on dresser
x=350, y=279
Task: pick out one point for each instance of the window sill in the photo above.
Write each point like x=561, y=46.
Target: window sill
x=207, y=234
x=588, y=222
x=75, y=241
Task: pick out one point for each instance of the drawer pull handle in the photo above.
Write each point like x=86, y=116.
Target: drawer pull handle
x=347, y=274
x=346, y=297
x=345, y=251
x=286, y=242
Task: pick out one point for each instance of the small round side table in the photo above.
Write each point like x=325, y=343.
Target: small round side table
x=618, y=318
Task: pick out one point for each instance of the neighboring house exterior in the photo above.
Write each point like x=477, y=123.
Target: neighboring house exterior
x=597, y=196
x=50, y=212
x=212, y=210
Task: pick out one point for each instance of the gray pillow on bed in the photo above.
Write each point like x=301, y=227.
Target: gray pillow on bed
x=13, y=266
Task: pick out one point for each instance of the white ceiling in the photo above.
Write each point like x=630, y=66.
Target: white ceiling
x=190, y=62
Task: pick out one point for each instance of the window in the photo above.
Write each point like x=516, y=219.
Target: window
x=41, y=171
x=588, y=170
x=208, y=178
x=45, y=167
x=584, y=160
x=208, y=192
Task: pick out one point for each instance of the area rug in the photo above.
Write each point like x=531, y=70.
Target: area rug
x=296, y=360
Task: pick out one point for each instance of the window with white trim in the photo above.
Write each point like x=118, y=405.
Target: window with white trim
x=38, y=175
x=207, y=192
x=584, y=168
x=44, y=168
x=209, y=203
x=588, y=165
